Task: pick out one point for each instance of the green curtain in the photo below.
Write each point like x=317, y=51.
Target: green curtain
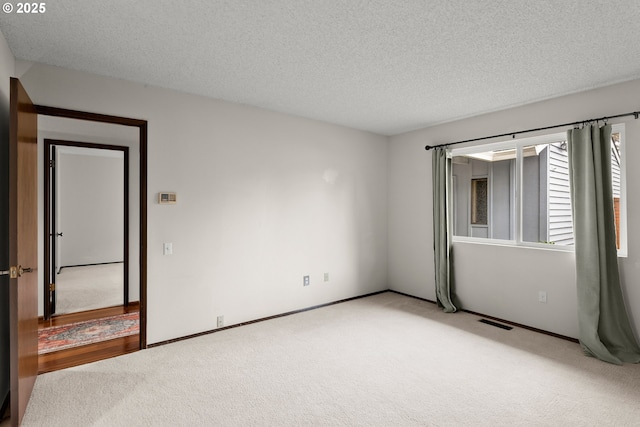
x=605, y=331
x=442, y=230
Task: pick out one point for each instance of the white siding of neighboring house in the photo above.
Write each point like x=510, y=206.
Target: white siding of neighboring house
x=560, y=224
x=615, y=172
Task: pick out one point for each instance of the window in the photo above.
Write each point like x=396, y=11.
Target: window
x=517, y=192
x=479, y=201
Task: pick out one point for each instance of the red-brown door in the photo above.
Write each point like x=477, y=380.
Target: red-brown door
x=23, y=249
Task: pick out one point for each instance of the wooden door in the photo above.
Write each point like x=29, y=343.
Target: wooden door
x=23, y=249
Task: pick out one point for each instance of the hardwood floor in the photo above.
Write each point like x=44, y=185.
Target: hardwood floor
x=89, y=353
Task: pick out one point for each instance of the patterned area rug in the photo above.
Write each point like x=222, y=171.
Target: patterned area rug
x=87, y=332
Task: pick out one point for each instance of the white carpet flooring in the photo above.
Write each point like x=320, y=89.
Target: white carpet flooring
x=384, y=360
x=89, y=287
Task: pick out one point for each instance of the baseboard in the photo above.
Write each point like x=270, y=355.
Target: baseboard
x=88, y=265
x=212, y=331
x=412, y=296
x=519, y=325
x=497, y=319
x=289, y=313
x=133, y=305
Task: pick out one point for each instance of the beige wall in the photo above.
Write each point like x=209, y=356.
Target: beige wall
x=498, y=280
x=263, y=199
x=90, y=201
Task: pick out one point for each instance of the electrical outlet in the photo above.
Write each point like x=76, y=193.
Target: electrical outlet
x=542, y=296
x=305, y=281
x=220, y=321
x=326, y=277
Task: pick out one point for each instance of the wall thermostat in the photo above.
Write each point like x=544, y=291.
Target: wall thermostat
x=167, y=198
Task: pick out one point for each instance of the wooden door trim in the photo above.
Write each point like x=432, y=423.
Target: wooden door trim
x=84, y=115
x=48, y=143
x=142, y=126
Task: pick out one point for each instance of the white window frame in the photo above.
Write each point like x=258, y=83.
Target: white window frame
x=518, y=144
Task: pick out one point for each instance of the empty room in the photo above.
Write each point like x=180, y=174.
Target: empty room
x=320, y=213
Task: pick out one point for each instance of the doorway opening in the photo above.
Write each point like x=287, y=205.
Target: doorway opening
x=77, y=251
x=86, y=211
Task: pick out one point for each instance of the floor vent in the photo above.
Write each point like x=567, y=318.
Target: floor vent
x=497, y=325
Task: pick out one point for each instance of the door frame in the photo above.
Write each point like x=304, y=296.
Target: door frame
x=143, y=170
x=50, y=245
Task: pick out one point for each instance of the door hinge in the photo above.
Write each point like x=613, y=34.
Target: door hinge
x=52, y=287
x=52, y=163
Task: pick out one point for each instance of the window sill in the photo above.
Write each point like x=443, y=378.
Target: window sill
x=524, y=245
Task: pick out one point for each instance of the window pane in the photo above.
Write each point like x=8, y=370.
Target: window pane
x=479, y=201
x=484, y=194
x=546, y=198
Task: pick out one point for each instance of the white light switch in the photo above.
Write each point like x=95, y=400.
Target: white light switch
x=167, y=249
x=542, y=297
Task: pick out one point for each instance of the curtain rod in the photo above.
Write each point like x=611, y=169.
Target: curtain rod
x=636, y=114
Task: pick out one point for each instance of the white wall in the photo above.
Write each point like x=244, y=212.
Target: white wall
x=90, y=195
x=7, y=69
x=263, y=199
x=497, y=280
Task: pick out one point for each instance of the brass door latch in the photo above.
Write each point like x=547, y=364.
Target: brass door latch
x=14, y=272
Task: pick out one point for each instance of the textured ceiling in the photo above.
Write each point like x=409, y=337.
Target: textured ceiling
x=385, y=66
